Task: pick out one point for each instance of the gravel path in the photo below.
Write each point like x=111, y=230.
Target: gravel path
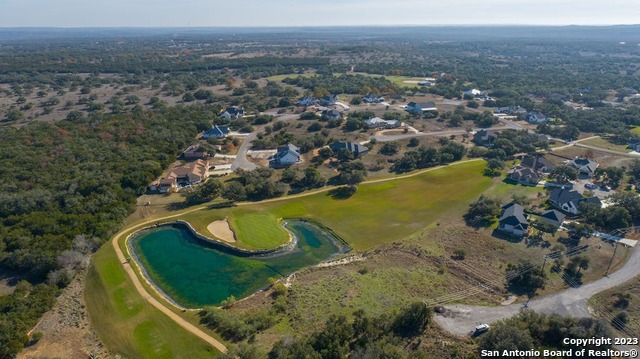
x=126, y=265
x=461, y=319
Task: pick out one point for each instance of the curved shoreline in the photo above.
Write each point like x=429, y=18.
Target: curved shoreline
x=282, y=249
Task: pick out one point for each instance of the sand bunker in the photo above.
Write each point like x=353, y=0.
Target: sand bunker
x=222, y=230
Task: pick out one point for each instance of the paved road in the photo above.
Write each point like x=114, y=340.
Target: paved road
x=241, y=160
x=600, y=149
x=570, y=302
x=152, y=300
x=387, y=138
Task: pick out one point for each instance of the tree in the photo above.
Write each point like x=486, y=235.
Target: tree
x=389, y=148
x=412, y=320
x=575, y=267
x=234, y=191
x=634, y=170
x=314, y=127
x=494, y=167
x=525, y=277
x=14, y=115
x=312, y=178
x=205, y=192
x=610, y=176
x=482, y=212
x=413, y=142
x=506, y=337
x=352, y=173
x=188, y=97
x=564, y=174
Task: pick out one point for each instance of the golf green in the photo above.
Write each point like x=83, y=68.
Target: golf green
x=195, y=273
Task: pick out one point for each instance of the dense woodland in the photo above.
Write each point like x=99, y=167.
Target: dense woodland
x=67, y=185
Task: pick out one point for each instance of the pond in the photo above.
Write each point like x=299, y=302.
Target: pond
x=195, y=273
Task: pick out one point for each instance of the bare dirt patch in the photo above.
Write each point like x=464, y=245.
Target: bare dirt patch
x=222, y=230
x=66, y=329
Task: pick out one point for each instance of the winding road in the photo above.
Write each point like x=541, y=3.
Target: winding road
x=461, y=319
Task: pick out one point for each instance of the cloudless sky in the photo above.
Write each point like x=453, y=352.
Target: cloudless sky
x=182, y=13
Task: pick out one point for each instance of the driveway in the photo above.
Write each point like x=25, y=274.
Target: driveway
x=462, y=319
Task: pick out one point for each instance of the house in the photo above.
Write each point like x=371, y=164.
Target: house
x=536, y=117
x=329, y=100
x=371, y=98
x=420, y=107
x=513, y=220
x=634, y=144
x=377, y=122
x=194, y=152
x=232, y=112
x=484, y=138
x=511, y=110
x=524, y=175
x=553, y=218
x=567, y=200
x=475, y=93
x=187, y=174
x=216, y=132
x=164, y=185
x=586, y=167
x=307, y=101
x=190, y=173
x=167, y=185
x=332, y=114
x=287, y=155
x=538, y=163
x=355, y=148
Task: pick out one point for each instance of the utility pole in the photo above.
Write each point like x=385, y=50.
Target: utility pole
x=543, y=263
x=606, y=274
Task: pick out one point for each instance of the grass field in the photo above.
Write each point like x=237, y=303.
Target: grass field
x=604, y=143
x=636, y=130
x=279, y=78
x=126, y=323
x=398, y=80
x=377, y=213
x=258, y=230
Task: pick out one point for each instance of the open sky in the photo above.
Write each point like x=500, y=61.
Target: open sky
x=170, y=13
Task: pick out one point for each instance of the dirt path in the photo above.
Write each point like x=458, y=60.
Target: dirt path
x=149, y=298
x=179, y=320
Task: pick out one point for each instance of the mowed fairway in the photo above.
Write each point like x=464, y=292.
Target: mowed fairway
x=258, y=230
x=127, y=324
x=378, y=212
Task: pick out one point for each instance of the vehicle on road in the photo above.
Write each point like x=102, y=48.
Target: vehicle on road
x=590, y=186
x=481, y=328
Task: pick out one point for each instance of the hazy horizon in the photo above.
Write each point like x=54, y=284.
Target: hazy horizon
x=288, y=13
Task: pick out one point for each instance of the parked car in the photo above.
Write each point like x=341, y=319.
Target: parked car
x=590, y=186
x=605, y=188
x=481, y=328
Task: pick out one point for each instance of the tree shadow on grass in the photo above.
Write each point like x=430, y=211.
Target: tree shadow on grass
x=343, y=192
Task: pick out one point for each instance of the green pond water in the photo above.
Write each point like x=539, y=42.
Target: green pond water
x=195, y=273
